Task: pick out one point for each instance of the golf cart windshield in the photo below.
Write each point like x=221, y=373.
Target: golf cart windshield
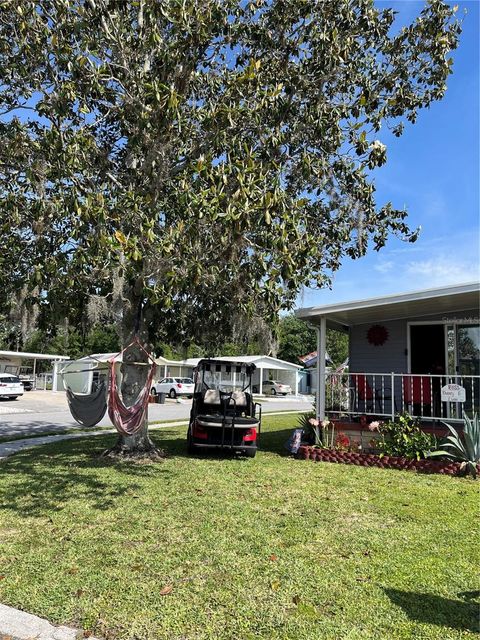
x=223, y=376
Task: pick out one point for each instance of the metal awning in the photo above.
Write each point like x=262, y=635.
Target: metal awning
x=24, y=355
x=261, y=362
x=415, y=304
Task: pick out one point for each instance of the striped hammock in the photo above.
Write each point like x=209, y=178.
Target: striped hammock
x=129, y=420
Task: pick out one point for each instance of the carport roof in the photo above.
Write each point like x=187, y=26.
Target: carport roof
x=261, y=362
x=26, y=355
x=395, y=307
x=264, y=362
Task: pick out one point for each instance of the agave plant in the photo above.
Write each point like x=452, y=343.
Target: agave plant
x=464, y=449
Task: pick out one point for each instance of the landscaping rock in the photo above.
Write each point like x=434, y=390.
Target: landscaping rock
x=316, y=454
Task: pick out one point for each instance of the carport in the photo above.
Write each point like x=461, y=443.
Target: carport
x=269, y=368
x=13, y=362
x=175, y=368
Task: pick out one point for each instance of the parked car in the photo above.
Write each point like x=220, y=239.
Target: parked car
x=273, y=387
x=173, y=387
x=10, y=386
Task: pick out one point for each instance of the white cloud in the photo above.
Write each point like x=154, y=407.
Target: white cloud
x=429, y=263
x=442, y=270
x=384, y=266
x=435, y=206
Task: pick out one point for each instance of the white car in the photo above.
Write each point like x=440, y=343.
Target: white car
x=273, y=387
x=173, y=387
x=10, y=386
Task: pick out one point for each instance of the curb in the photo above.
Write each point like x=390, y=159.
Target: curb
x=18, y=625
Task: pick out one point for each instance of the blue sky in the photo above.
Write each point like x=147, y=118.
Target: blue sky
x=433, y=170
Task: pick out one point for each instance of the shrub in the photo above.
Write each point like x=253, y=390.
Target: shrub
x=404, y=438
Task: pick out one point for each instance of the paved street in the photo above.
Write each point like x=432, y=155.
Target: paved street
x=38, y=412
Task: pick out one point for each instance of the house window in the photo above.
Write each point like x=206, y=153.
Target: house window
x=468, y=350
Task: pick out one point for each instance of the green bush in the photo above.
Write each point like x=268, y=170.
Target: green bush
x=404, y=438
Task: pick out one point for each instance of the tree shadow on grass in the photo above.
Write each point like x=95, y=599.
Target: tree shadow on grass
x=38, y=481
x=42, y=480
x=431, y=609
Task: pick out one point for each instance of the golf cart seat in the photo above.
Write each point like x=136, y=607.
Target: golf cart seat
x=214, y=397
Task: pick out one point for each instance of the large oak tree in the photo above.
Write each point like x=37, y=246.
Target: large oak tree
x=197, y=163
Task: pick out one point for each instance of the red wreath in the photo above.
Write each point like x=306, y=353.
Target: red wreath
x=377, y=335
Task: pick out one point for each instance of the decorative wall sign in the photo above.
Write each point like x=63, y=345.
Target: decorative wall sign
x=377, y=335
x=453, y=393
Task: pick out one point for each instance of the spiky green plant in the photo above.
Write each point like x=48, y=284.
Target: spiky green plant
x=312, y=431
x=464, y=449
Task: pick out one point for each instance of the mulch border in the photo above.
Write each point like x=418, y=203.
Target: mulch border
x=444, y=467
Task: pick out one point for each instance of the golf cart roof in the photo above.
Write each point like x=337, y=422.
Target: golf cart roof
x=247, y=366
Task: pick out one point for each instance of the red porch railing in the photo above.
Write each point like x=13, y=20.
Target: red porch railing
x=387, y=394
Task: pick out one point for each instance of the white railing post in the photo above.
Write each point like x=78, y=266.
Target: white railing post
x=392, y=393
x=321, y=348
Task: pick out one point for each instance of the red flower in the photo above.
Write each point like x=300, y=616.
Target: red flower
x=342, y=441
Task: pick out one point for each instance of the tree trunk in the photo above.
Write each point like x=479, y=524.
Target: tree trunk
x=134, y=377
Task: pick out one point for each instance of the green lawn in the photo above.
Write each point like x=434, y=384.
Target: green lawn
x=266, y=548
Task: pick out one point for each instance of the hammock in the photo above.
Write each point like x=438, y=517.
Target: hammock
x=88, y=409
x=129, y=420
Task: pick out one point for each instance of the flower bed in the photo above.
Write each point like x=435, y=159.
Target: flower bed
x=385, y=462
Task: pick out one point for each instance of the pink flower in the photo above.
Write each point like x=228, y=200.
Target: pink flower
x=314, y=422
x=325, y=423
x=373, y=426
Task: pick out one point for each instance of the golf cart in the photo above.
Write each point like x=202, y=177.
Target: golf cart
x=223, y=413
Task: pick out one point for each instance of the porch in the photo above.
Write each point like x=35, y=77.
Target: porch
x=416, y=353
x=363, y=397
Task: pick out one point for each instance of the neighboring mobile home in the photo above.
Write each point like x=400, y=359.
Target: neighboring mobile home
x=415, y=352
x=83, y=374
x=24, y=365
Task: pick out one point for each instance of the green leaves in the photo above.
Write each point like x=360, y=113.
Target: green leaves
x=230, y=146
x=463, y=447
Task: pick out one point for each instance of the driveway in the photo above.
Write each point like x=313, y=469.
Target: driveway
x=38, y=412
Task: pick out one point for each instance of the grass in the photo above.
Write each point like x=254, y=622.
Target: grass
x=266, y=548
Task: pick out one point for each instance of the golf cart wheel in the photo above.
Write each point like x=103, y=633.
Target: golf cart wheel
x=190, y=445
x=273, y=392
x=172, y=394
x=250, y=453
x=153, y=391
